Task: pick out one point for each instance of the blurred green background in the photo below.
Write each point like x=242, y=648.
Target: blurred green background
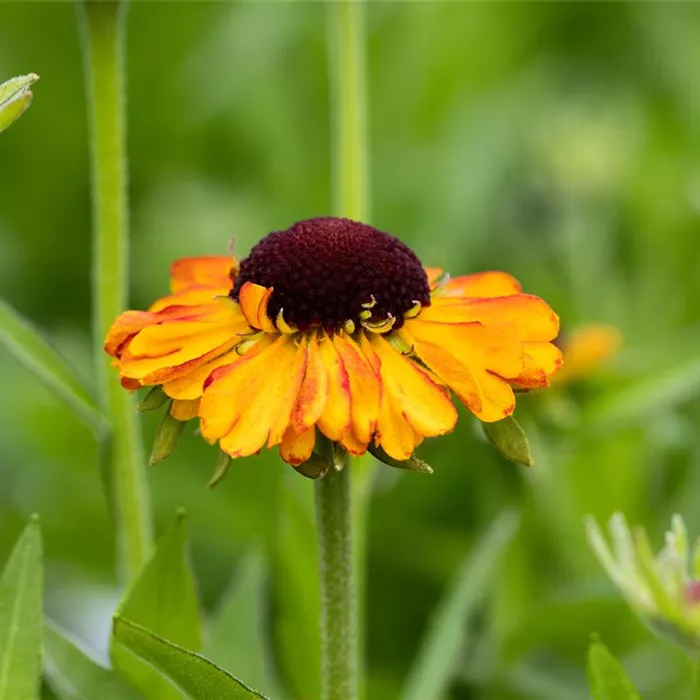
x=558, y=141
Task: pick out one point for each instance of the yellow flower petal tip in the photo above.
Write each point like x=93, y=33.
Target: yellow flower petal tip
x=333, y=329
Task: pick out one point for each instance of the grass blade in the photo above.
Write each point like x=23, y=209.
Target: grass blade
x=435, y=664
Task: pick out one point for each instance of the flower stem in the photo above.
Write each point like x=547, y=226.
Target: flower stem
x=121, y=452
x=348, y=93
x=346, y=22
x=338, y=601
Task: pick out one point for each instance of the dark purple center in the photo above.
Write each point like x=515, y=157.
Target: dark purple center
x=323, y=270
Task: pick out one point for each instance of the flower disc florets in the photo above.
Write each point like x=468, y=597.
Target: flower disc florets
x=328, y=271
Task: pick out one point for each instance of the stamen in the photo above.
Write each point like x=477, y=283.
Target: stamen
x=282, y=325
x=414, y=310
x=369, y=304
x=349, y=326
x=381, y=327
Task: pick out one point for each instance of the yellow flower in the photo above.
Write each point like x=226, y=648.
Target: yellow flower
x=334, y=326
x=588, y=347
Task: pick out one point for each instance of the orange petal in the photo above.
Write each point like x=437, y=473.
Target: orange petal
x=184, y=410
x=433, y=274
x=471, y=344
x=254, y=300
x=498, y=397
x=541, y=361
x=449, y=369
x=364, y=387
x=125, y=327
x=411, y=393
x=191, y=384
x=524, y=316
x=482, y=284
x=336, y=418
x=313, y=392
x=207, y=271
x=188, y=297
x=296, y=449
x=251, y=400
x=353, y=445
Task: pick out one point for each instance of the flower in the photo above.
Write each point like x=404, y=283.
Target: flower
x=661, y=589
x=334, y=326
x=586, y=349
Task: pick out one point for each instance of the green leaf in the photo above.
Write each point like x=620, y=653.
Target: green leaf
x=509, y=439
x=15, y=97
x=21, y=592
x=238, y=637
x=606, y=676
x=295, y=578
x=73, y=675
x=196, y=677
x=27, y=345
x=163, y=599
x=412, y=464
x=437, y=658
x=166, y=439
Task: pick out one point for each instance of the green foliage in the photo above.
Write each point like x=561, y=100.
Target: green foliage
x=239, y=634
x=21, y=590
x=27, y=345
x=606, y=676
x=163, y=599
x=15, y=98
x=434, y=668
x=195, y=676
x=73, y=675
x=508, y=437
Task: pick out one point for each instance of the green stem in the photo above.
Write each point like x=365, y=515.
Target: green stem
x=122, y=452
x=348, y=93
x=338, y=602
x=349, y=108
x=696, y=680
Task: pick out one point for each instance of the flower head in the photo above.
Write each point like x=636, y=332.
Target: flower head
x=335, y=327
x=661, y=588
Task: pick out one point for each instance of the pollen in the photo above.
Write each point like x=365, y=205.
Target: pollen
x=332, y=272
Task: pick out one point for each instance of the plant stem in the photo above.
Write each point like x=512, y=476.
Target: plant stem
x=348, y=93
x=121, y=452
x=338, y=602
x=349, y=108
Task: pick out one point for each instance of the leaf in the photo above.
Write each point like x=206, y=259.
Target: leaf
x=437, y=658
x=197, y=677
x=509, y=439
x=15, y=97
x=21, y=592
x=73, y=675
x=27, y=345
x=606, y=676
x=412, y=464
x=163, y=599
x=238, y=637
x=166, y=439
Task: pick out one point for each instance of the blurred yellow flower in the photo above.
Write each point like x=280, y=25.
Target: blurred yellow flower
x=333, y=325
x=586, y=349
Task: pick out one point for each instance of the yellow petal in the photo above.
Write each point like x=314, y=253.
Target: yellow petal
x=433, y=274
x=188, y=297
x=184, y=410
x=524, y=316
x=353, y=445
x=411, y=392
x=542, y=360
x=481, y=284
x=335, y=419
x=296, y=449
x=364, y=386
x=254, y=300
x=498, y=397
x=191, y=384
x=206, y=271
x=313, y=392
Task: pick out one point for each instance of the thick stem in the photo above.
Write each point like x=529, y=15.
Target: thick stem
x=337, y=578
x=122, y=453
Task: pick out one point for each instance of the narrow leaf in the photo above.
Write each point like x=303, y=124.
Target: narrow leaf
x=606, y=676
x=166, y=439
x=238, y=637
x=437, y=658
x=509, y=439
x=412, y=464
x=153, y=400
x=197, y=677
x=21, y=592
x=164, y=599
x=27, y=345
x=74, y=675
x=15, y=97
